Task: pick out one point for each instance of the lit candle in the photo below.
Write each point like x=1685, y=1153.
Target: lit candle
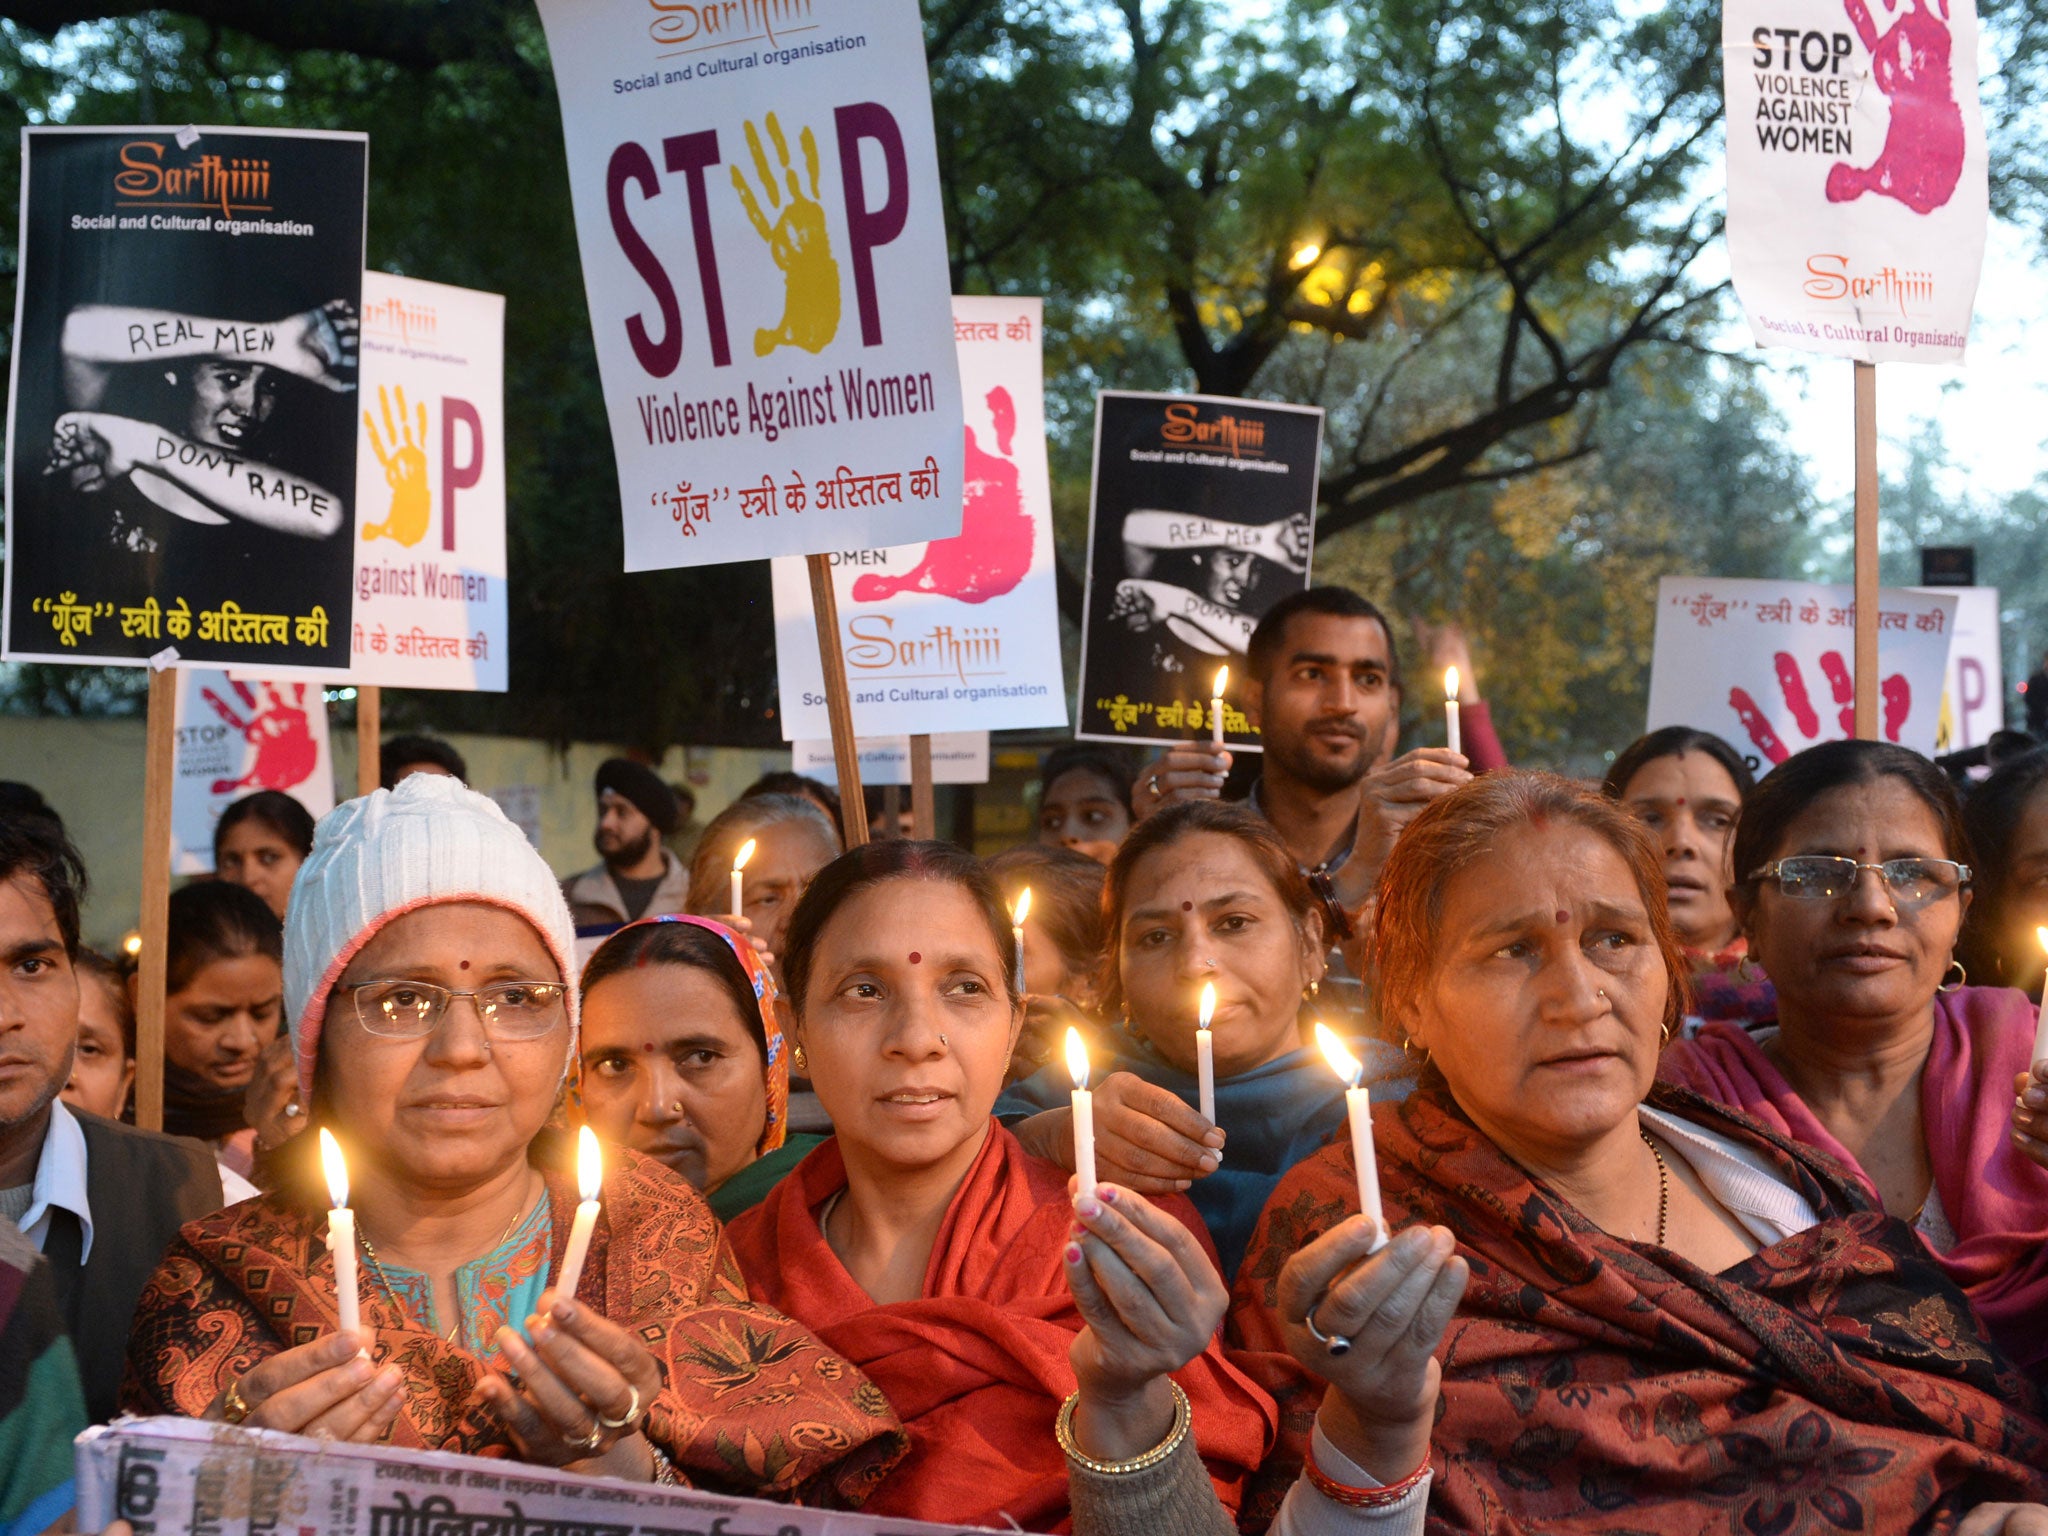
x=1216, y=708
x=1358, y=1104
x=341, y=1232
x=1084, y=1115
x=1451, y=708
x=2041, y=1029
x=1017, y=915
x=589, y=1180
x=1205, y=1055
x=739, y=877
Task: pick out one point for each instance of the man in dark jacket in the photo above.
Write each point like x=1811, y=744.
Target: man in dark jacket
x=101, y=1200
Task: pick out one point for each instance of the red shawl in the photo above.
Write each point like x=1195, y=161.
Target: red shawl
x=1836, y=1381
x=1995, y=1198
x=753, y=1403
x=978, y=1366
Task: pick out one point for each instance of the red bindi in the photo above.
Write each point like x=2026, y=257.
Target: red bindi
x=649, y=1046
x=1681, y=799
x=916, y=958
x=1563, y=917
x=465, y=965
x=1187, y=906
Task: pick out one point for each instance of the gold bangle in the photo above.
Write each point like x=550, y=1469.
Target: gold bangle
x=1183, y=1417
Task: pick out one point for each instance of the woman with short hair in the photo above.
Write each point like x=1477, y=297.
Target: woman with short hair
x=1855, y=875
x=426, y=976
x=1609, y=1305
x=259, y=843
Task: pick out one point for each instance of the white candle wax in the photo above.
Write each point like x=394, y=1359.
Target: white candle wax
x=1216, y=709
x=1358, y=1104
x=580, y=1232
x=341, y=1242
x=1451, y=731
x=739, y=892
x=1018, y=934
x=1205, y=1073
x=1084, y=1144
x=2041, y=1027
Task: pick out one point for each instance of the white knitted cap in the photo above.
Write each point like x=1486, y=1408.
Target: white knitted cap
x=430, y=840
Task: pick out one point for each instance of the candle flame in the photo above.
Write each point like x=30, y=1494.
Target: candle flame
x=1451, y=683
x=336, y=1169
x=1208, y=1003
x=1077, y=1057
x=1222, y=683
x=589, y=1165
x=739, y=860
x=2042, y=935
x=1342, y=1062
x=1023, y=908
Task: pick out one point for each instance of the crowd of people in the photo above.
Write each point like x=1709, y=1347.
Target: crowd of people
x=1711, y=1154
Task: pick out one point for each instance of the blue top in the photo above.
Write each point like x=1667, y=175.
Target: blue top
x=1274, y=1116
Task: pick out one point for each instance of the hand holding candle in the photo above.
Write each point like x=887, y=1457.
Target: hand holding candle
x=1084, y=1116
x=1358, y=1105
x=739, y=877
x=2041, y=1028
x=341, y=1233
x=1205, y=1055
x=1451, y=730
x=1216, y=708
x=1017, y=915
x=589, y=1180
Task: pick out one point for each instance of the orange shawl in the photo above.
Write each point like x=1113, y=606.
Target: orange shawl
x=978, y=1366
x=753, y=1403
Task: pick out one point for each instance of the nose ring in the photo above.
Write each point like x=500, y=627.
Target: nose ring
x=676, y=1108
x=943, y=1040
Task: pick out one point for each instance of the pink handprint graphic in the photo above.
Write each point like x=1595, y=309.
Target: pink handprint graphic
x=992, y=551
x=286, y=753
x=1894, y=693
x=1922, y=159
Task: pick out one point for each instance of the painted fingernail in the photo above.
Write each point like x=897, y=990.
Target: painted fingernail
x=1073, y=1253
x=1107, y=1194
x=1090, y=1209
x=2035, y=1097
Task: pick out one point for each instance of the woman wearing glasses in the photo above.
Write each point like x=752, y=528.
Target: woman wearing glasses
x=425, y=956
x=1852, y=880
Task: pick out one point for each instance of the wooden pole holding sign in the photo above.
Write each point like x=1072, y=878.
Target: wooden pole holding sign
x=159, y=768
x=369, y=738
x=924, y=815
x=1866, y=551
x=838, y=700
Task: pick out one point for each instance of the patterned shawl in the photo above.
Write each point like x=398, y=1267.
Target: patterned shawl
x=753, y=1404
x=1836, y=1381
x=1994, y=1196
x=978, y=1364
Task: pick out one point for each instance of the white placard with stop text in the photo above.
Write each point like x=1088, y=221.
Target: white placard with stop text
x=236, y=735
x=756, y=189
x=1770, y=665
x=959, y=633
x=1857, y=175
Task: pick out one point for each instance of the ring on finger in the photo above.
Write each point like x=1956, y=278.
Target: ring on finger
x=627, y=1419
x=591, y=1441
x=235, y=1408
x=1336, y=1343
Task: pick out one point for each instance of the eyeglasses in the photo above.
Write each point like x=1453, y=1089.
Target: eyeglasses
x=1823, y=877
x=510, y=1010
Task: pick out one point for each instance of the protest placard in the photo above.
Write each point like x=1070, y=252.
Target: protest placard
x=757, y=205
x=960, y=633
x=430, y=540
x=1201, y=519
x=237, y=735
x=1766, y=664
x=1973, y=689
x=958, y=757
x=188, y=1477
x=1857, y=189
x=181, y=431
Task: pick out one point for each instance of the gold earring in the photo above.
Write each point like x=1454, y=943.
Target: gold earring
x=1961, y=977
x=796, y=1059
x=1312, y=989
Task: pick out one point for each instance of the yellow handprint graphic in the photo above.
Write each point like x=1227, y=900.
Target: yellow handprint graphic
x=405, y=471
x=799, y=243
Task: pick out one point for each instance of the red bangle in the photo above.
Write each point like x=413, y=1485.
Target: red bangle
x=1363, y=1498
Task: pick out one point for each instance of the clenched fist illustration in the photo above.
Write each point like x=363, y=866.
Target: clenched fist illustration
x=797, y=240
x=405, y=470
x=1895, y=693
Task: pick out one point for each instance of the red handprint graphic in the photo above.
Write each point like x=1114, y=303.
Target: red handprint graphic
x=1922, y=159
x=1895, y=693
x=286, y=753
x=992, y=551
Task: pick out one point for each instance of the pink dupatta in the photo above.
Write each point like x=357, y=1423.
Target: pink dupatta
x=1995, y=1198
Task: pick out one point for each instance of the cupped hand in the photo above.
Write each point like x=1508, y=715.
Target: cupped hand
x=2030, y=1113
x=2005, y=1520
x=1392, y=795
x=579, y=1367
x=1191, y=772
x=1393, y=1306
x=320, y=345
x=1149, y=1139
x=1151, y=1297
x=326, y=1389
x=272, y=1091
x=744, y=927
